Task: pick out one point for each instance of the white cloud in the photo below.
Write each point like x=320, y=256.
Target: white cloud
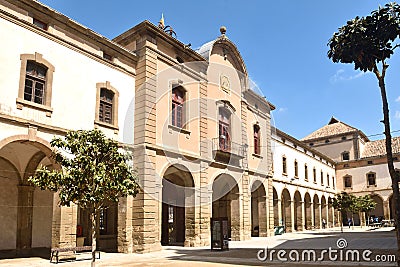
x=398, y=99
x=282, y=109
x=340, y=76
x=397, y=115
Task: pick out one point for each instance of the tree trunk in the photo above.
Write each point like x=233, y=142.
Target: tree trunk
x=341, y=221
x=93, y=217
x=389, y=155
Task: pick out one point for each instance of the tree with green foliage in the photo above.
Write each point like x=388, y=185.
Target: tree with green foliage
x=366, y=204
x=368, y=43
x=94, y=172
x=342, y=202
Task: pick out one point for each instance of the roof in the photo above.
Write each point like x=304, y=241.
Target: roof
x=378, y=148
x=333, y=128
x=205, y=49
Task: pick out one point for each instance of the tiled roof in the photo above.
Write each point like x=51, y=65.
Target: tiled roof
x=378, y=148
x=334, y=127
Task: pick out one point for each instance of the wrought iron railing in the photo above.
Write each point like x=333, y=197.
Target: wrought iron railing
x=225, y=145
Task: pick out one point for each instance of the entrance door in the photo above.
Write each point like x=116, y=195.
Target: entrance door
x=173, y=225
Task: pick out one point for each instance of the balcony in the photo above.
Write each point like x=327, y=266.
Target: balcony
x=224, y=150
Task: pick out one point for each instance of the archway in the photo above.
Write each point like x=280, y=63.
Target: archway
x=225, y=203
x=26, y=212
x=258, y=210
x=286, y=210
x=378, y=211
x=308, y=213
x=177, y=224
x=275, y=204
x=324, y=212
x=317, y=214
x=298, y=226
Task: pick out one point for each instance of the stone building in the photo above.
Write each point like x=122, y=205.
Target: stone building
x=361, y=164
x=199, y=130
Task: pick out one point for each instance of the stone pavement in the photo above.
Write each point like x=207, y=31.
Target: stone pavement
x=244, y=253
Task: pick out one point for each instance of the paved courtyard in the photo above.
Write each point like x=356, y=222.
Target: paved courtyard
x=340, y=251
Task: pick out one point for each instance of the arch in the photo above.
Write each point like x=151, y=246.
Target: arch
x=324, y=211
x=178, y=197
x=378, y=212
x=317, y=213
x=331, y=213
x=297, y=201
x=225, y=203
x=275, y=204
x=258, y=209
x=27, y=211
x=286, y=210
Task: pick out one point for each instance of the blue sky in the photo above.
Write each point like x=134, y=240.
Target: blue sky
x=284, y=46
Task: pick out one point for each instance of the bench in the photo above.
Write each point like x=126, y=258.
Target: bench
x=55, y=252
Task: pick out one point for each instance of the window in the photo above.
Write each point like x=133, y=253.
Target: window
x=333, y=182
x=296, y=169
x=327, y=180
x=224, y=129
x=322, y=178
x=106, y=106
x=178, y=99
x=347, y=180
x=284, y=167
x=40, y=24
x=327, y=141
x=371, y=179
x=257, y=140
x=370, y=162
x=35, y=81
x=305, y=172
x=344, y=137
x=315, y=175
x=107, y=56
x=35, y=85
x=345, y=155
x=311, y=144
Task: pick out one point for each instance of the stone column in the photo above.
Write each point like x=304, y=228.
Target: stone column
x=292, y=218
x=320, y=215
x=386, y=209
x=245, y=201
x=303, y=215
x=124, y=239
x=235, y=216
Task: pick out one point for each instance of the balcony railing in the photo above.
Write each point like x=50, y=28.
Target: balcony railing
x=224, y=145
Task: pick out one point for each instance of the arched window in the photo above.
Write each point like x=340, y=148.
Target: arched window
x=178, y=99
x=257, y=140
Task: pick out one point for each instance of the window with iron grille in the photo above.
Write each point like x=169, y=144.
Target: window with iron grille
x=178, y=99
x=322, y=178
x=327, y=180
x=315, y=175
x=296, y=169
x=257, y=140
x=35, y=81
x=106, y=106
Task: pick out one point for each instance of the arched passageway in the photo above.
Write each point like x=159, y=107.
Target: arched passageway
x=258, y=210
x=308, y=211
x=26, y=212
x=225, y=203
x=286, y=210
x=317, y=213
x=177, y=223
x=276, y=209
x=298, y=226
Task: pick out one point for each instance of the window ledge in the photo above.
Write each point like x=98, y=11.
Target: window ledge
x=24, y=103
x=257, y=155
x=106, y=125
x=178, y=129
